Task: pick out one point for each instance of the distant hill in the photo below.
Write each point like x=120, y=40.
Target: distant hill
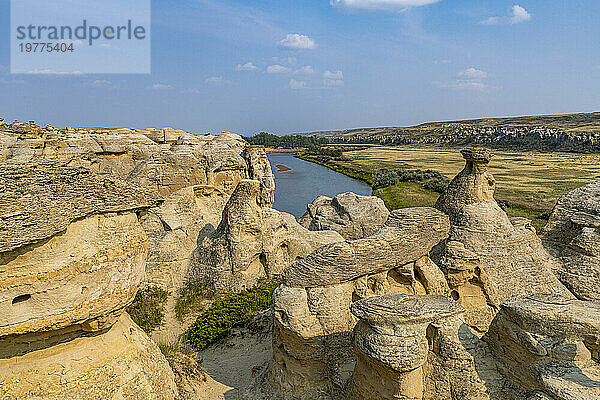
x=566, y=132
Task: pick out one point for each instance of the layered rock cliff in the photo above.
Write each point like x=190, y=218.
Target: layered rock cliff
x=191, y=176
x=72, y=258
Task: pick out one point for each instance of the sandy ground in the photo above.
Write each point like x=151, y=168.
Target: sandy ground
x=237, y=360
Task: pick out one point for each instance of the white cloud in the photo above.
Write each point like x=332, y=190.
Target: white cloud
x=490, y=21
x=380, y=4
x=337, y=75
x=473, y=73
x=216, y=80
x=101, y=83
x=464, y=85
x=191, y=91
x=306, y=70
x=519, y=14
x=161, y=86
x=294, y=84
x=470, y=79
x=277, y=69
x=247, y=67
x=297, y=41
x=333, y=83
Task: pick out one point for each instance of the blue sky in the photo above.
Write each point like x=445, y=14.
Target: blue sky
x=288, y=66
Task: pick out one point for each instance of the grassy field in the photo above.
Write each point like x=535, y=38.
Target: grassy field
x=530, y=182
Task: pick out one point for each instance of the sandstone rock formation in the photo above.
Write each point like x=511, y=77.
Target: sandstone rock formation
x=549, y=345
x=474, y=184
x=408, y=347
x=351, y=215
x=253, y=241
x=488, y=257
x=192, y=176
x=573, y=235
x=312, y=334
x=72, y=256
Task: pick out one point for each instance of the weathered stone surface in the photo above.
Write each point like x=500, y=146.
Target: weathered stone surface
x=573, y=236
x=91, y=270
x=549, y=344
x=473, y=184
x=253, y=242
x=393, y=340
x=72, y=260
x=122, y=363
x=312, y=339
x=185, y=178
x=488, y=257
x=39, y=200
x=407, y=235
x=351, y=215
x=259, y=169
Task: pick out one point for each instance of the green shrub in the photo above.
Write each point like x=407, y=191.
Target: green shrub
x=432, y=180
x=228, y=312
x=148, y=308
x=191, y=296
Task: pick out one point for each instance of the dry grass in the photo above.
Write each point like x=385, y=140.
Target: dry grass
x=529, y=180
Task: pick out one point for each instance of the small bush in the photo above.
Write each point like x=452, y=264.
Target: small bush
x=148, y=308
x=385, y=178
x=437, y=185
x=432, y=180
x=228, y=312
x=192, y=295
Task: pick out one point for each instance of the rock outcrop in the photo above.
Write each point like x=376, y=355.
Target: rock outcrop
x=489, y=257
x=573, y=236
x=191, y=176
x=549, y=345
x=312, y=334
x=72, y=258
x=408, y=347
x=351, y=215
x=252, y=241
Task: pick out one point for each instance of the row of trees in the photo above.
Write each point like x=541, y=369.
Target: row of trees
x=286, y=142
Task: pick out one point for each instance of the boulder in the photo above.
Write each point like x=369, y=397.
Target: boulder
x=351, y=215
x=549, y=345
x=573, y=236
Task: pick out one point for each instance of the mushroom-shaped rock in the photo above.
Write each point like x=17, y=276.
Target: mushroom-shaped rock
x=489, y=257
x=473, y=184
x=391, y=344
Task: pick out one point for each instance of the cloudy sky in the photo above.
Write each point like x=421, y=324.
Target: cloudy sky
x=288, y=66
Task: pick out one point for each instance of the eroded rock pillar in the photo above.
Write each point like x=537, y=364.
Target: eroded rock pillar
x=391, y=345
